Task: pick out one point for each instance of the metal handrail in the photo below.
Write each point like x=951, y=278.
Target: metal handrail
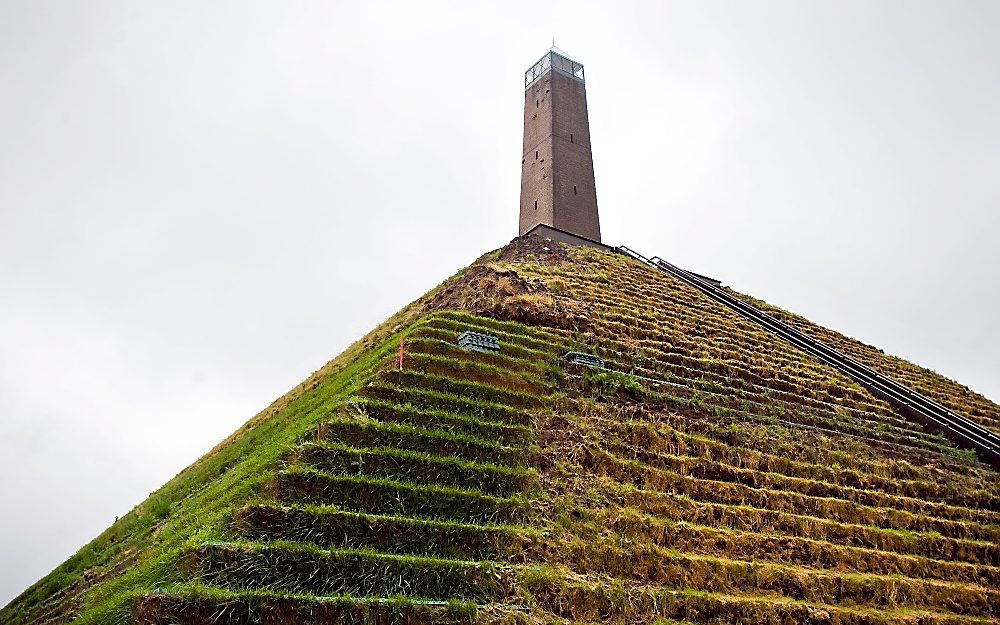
x=960, y=430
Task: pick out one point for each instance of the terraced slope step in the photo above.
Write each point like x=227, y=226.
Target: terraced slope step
x=729, y=447
x=430, y=400
x=373, y=496
x=646, y=563
x=474, y=390
x=946, y=472
x=761, y=412
x=962, y=431
x=788, y=396
x=429, y=339
x=513, y=336
x=758, y=520
x=688, y=537
x=303, y=569
x=417, y=343
x=458, y=423
x=475, y=372
x=719, y=471
x=329, y=527
x=416, y=467
x=929, y=383
x=593, y=599
x=647, y=477
x=366, y=433
x=203, y=605
x=702, y=380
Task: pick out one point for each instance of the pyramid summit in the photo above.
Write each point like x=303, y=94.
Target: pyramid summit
x=572, y=433
x=709, y=472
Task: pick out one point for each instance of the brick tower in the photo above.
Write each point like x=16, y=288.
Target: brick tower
x=557, y=168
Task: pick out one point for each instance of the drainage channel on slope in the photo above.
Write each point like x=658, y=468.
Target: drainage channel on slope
x=932, y=415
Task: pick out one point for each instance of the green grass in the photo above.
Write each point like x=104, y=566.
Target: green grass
x=195, y=505
x=381, y=496
x=368, y=487
x=369, y=433
x=445, y=420
x=535, y=339
x=208, y=604
x=331, y=527
x=431, y=400
x=475, y=372
x=432, y=330
x=302, y=568
x=478, y=391
x=419, y=343
x=414, y=466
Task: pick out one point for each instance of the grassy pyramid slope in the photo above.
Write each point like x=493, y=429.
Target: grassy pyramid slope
x=711, y=474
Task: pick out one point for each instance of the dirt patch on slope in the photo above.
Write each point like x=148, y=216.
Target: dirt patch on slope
x=492, y=290
x=546, y=251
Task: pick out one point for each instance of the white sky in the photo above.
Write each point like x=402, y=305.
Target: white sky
x=203, y=202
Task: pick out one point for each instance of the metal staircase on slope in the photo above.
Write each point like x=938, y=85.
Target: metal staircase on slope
x=914, y=406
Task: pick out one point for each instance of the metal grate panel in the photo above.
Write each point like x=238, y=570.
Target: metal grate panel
x=478, y=342
x=587, y=360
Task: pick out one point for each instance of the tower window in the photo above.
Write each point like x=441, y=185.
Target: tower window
x=571, y=137
x=536, y=204
x=536, y=154
x=536, y=103
x=574, y=189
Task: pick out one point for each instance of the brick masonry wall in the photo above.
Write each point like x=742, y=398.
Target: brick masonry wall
x=536, y=161
x=557, y=167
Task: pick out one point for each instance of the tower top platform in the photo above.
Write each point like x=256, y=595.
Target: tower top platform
x=556, y=60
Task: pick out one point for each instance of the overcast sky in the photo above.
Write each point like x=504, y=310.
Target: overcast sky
x=203, y=202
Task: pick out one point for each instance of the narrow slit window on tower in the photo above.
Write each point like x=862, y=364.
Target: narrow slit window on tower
x=536, y=204
x=536, y=154
x=571, y=137
x=536, y=103
x=574, y=189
